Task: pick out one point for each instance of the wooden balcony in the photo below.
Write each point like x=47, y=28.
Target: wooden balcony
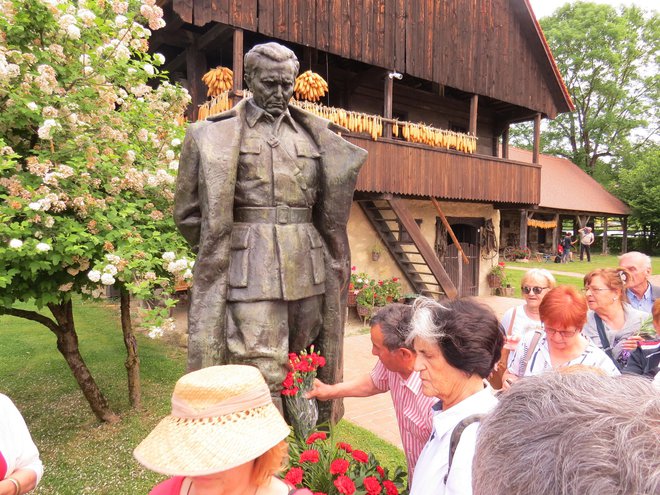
x=399, y=167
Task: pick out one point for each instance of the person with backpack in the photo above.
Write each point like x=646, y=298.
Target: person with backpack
x=457, y=344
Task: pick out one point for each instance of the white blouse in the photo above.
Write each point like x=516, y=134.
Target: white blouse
x=432, y=463
x=16, y=444
x=540, y=361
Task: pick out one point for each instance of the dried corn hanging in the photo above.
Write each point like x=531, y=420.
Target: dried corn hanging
x=218, y=80
x=310, y=86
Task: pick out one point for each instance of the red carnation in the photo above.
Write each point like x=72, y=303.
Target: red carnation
x=319, y=435
x=294, y=476
x=390, y=488
x=288, y=381
x=360, y=456
x=381, y=472
x=344, y=446
x=339, y=466
x=291, y=392
x=310, y=455
x=371, y=485
x=345, y=485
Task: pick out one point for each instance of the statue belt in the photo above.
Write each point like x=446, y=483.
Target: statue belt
x=279, y=214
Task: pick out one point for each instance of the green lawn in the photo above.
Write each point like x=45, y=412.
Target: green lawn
x=80, y=455
x=597, y=261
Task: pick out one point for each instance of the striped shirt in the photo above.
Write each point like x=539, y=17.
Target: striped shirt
x=412, y=408
x=540, y=361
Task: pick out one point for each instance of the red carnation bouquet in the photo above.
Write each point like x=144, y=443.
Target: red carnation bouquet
x=328, y=467
x=303, y=412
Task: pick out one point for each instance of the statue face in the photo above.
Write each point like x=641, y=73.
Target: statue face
x=272, y=84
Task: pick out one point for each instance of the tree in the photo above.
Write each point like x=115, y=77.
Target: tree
x=89, y=137
x=609, y=61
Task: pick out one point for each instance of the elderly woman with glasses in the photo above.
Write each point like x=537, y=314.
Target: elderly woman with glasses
x=563, y=312
x=611, y=320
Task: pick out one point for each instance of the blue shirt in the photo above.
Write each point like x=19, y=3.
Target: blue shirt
x=645, y=303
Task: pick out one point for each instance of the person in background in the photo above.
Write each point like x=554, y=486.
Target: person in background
x=519, y=320
x=394, y=371
x=20, y=466
x=563, y=312
x=641, y=293
x=610, y=320
x=586, y=240
x=567, y=243
x=645, y=357
x=457, y=343
x=571, y=434
x=224, y=436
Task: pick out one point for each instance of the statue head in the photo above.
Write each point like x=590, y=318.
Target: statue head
x=270, y=73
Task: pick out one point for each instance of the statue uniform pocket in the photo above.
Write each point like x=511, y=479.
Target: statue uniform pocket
x=238, y=265
x=316, y=252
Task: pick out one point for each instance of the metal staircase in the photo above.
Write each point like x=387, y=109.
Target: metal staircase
x=404, y=240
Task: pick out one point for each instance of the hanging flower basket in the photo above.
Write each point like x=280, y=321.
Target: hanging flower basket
x=352, y=299
x=494, y=281
x=364, y=311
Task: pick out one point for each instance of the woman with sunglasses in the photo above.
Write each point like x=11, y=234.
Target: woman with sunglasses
x=563, y=312
x=519, y=320
x=610, y=320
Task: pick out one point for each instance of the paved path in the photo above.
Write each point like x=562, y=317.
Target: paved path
x=376, y=414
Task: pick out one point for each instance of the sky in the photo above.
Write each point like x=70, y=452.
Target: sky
x=544, y=8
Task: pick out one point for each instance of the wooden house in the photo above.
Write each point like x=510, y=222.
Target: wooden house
x=472, y=67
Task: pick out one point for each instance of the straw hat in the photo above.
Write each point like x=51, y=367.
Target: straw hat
x=222, y=417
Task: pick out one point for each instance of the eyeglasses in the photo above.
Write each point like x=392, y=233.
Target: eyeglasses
x=536, y=290
x=567, y=334
x=595, y=289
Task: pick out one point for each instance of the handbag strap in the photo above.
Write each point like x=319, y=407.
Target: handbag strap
x=456, y=437
x=513, y=318
x=528, y=354
x=605, y=342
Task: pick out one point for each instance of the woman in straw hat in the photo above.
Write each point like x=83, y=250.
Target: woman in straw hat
x=223, y=437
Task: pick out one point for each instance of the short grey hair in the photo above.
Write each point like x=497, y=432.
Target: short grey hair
x=645, y=259
x=569, y=434
x=394, y=322
x=540, y=273
x=272, y=51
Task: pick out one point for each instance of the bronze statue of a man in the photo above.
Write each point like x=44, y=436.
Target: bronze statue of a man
x=263, y=196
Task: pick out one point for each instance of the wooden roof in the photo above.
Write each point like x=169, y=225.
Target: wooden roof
x=565, y=186
x=493, y=48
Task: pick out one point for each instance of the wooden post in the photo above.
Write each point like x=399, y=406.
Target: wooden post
x=196, y=67
x=505, y=142
x=387, y=104
x=555, y=233
x=237, y=91
x=605, y=248
x=624, y=241
x=523, y=228
x=537, y=138
x=443, y=218
x=474, y=103
x=459, y=288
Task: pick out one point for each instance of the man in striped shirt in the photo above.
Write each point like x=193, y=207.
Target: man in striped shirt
x=393, y=372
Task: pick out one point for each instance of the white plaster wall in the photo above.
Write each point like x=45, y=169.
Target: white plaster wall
x=362, y=237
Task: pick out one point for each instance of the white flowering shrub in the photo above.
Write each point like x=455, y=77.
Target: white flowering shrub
x=90, y=135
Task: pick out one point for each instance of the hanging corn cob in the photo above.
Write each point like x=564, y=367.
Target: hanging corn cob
x=310, y=86
x=218, y=80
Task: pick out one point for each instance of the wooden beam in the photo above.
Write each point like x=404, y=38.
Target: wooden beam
x=196, y=67
x=449, y=230
x=555, y=233
x=505, y=142
x=237, y=89
x=537, y=138
x=217, y=35
x=605, y=249
x=624, y=241
x=474, y=103
x=424, y=248
x=523, y=228
x=387, y=105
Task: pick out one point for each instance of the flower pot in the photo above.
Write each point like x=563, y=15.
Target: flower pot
x=493, y=281
x=364, y=311
x=352, y=299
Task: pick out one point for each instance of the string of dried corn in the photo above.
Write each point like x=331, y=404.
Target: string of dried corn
x=542, y=224
x=218, y=80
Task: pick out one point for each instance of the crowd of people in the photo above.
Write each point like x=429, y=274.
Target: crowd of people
x=473, y=417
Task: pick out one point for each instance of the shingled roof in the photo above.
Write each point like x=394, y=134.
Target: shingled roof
x=565, y=186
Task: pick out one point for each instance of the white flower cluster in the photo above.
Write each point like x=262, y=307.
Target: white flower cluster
x=166, y=326
x=155, y=332
x=45, y=131
x=181, y=267
x=8, y=70
x=107, y=276
x=46, y=81
x=153, y=14
x=42, y=247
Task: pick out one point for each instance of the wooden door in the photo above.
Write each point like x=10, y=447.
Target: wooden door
x=464, y=276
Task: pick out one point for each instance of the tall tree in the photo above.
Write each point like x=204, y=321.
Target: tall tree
x=609, y=60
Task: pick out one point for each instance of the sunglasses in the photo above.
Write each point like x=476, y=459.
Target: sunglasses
x=537, y=290
x=567, y=334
